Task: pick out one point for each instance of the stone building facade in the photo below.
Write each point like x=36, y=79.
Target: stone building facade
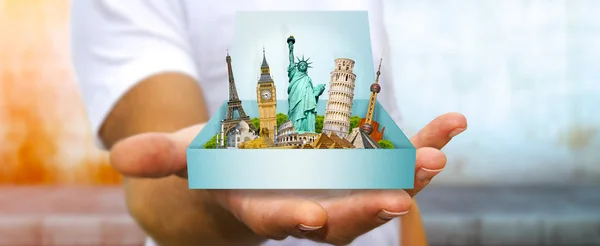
x=287, y=136
x=241, y=133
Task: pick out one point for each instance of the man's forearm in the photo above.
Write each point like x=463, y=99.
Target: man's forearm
x=165, y=208
x=412, y=231
x=162, y=103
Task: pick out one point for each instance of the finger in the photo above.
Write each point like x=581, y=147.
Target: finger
x=149, y=155
x=154, y=155
x=361, y=212
x=439, y=131
x=185, y=137
x=270, y=215
x=429, y=163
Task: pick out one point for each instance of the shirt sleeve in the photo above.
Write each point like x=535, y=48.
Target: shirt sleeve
x=115, y=44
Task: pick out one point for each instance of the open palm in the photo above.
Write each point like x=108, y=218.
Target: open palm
x=272, y=214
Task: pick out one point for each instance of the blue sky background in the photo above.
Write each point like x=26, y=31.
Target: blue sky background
x=322, y=36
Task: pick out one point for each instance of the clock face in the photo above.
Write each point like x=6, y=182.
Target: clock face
x=265, y=94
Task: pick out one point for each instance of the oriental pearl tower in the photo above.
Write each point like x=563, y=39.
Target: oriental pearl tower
x=367, y=124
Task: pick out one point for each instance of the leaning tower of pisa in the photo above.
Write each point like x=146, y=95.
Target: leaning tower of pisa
x=341, y=94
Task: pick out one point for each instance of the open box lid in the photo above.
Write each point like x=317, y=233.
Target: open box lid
x=321, y=36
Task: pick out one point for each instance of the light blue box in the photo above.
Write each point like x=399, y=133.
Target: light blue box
x=323, y=36
x=302, y=168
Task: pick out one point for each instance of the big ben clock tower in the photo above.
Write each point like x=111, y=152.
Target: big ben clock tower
x=267, y=101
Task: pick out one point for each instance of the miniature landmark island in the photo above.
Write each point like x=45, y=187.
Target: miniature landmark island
x=301, y=128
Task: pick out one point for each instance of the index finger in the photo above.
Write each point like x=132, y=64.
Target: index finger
x=440, y=131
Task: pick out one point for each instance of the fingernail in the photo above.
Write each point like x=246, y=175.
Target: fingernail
x=303, y=227
x=425, y=174
x=456, y=132
x=387, y=215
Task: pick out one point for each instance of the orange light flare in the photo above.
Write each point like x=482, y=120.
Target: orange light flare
x=44, y=135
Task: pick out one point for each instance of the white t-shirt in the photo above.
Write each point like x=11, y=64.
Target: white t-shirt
x=118, y=43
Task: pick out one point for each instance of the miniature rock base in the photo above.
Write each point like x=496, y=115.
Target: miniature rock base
x=282, y=168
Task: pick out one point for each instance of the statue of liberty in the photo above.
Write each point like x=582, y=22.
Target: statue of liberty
x=302, y=96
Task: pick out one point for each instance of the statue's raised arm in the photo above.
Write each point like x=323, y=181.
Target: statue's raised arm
x=291, y=41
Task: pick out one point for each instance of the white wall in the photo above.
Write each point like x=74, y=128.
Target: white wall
x=525, y=73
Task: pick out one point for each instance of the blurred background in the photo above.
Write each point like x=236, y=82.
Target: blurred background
x=56, y=187
x=525, y=73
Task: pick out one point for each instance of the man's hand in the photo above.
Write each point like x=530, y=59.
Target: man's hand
x=267, y=214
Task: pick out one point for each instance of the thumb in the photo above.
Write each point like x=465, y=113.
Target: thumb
x=153, y=155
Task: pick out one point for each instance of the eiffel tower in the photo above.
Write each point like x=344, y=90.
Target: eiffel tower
x=234, y=105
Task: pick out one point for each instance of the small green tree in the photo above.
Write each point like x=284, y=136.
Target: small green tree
x=212, y=143
x=386, y=144
x=319, y=123
x=256, y=123
x=354, y=120
x=281, y=118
